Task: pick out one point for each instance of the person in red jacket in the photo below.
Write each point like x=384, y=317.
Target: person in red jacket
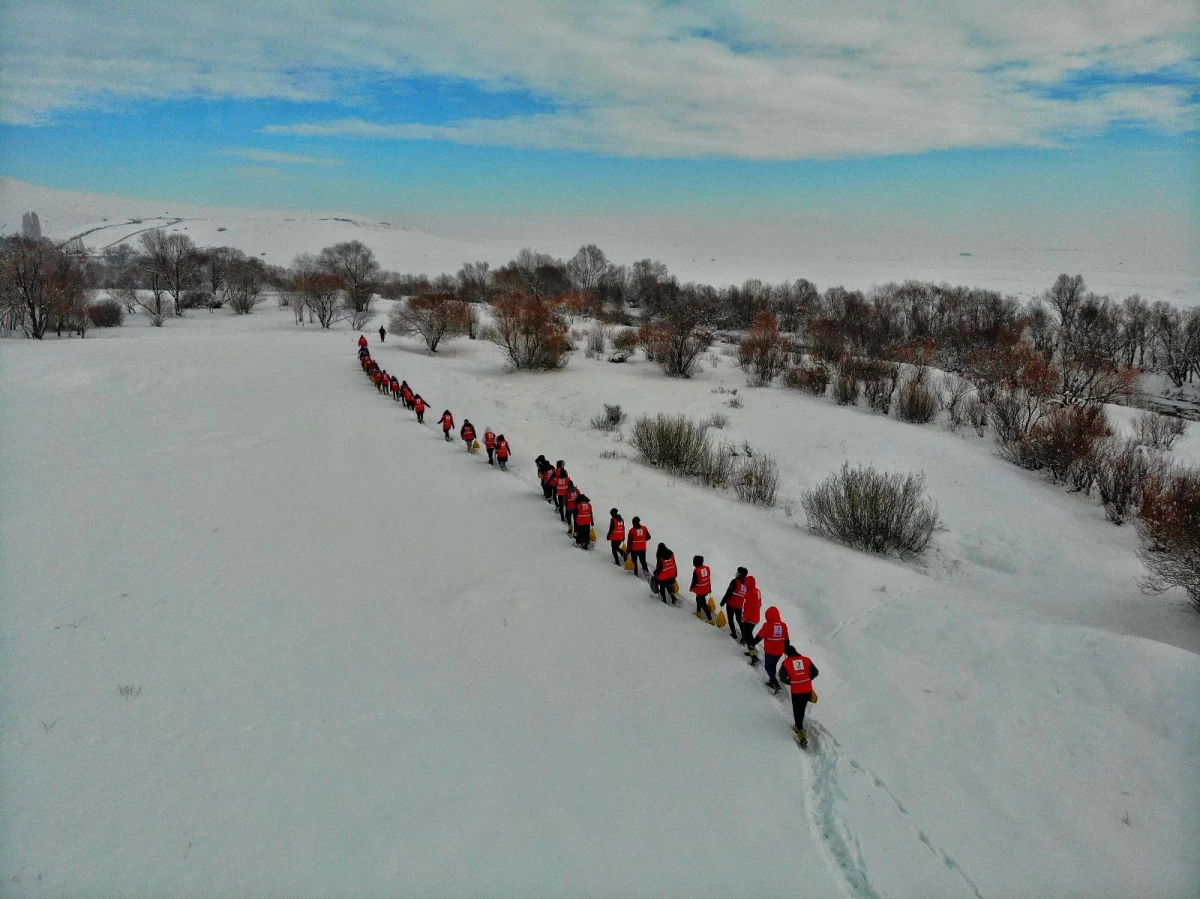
x=447, y=422
x=665, y=573
x=395, y=388
x=701, y=587
x=467, y=433
x=639, y=539
x=489, y=444
x=503, y=451
x=362, y=340
x=419, y=407
x=798, y=671
x=735, y=596
x=774, y=637
x=616, y=534
x=571, y=498
x=406, y=394
x=751, y=612
x=561, y=480
x=546, y=475
x=583, y=521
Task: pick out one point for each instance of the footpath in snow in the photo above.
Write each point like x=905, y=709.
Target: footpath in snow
x=363, y=662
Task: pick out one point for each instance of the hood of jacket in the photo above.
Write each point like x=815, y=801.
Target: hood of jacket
x=772, y=615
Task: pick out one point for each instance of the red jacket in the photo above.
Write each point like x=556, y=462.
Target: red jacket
x=362, y=339
x=702, y=580
x=583, y=514
x=666, y=568
x=419, y=405
x=774, y=633
x=489, y=439
x=502, y=451
x=799, y=671
x=638, y=538
x=736, y=595
x=572, y=495
x=468, y=432
x=616, y=529
x=447, y=422
x=752, y=604
x=560, y=485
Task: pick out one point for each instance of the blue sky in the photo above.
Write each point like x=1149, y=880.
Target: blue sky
x=935, y=111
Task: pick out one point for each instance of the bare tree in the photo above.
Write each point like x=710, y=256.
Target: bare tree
x=174, y=259
x=354, y=263
x=245, y=281
x=681, y=331
x=40, y=286
x=474, y=282
x=215, y=265
x=434, y=316
x=322, y=291
x=586, y=268
x=530, y=331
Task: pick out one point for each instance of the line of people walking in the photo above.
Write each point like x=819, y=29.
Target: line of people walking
x=784, y=664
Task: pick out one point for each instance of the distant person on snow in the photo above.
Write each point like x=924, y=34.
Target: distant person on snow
x=583, y=521
x=639, y=539
x=751, y=615
x=467, y=433
x=798, y=671
x=382, y=333
x=447, y=421
x=489, y=443
x=419, y=407
x=701, y=587
x=665, y=572
x=616, y=534
x=774, y=638
x=502, y=452
x=735, y=596
x=362, y=341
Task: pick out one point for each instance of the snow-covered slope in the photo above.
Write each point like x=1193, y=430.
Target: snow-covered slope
x=827, y=251
x=369, y=664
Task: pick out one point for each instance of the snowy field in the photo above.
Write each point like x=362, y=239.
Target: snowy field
x=826, y=252
x=363, y=663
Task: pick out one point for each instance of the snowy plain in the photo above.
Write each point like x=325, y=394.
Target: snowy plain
x=364, y=663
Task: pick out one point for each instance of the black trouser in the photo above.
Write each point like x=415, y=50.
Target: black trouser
x=771, y=661
x=799, y=704
x=491, y=453
x=618, y=553
x=571, y=519
x=583, y=534
x=548, y=492
x=748, y=634
x=639, y=555
x=702, y=606
x=664, y=589
x=560, y=503
x=421, y=418
x=735, y=618
x=446, y=434
x=396, y=394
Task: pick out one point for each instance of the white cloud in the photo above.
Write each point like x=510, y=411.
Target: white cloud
x=275, y=156
x=763, y=81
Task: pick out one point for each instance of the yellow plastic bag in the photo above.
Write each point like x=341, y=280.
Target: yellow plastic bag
x=629, y=564
x=474, y=445
x=712, y=605
x=624, y=548
x=720, y=621
x=674, y=586
x=592, y=535
x=814, y=697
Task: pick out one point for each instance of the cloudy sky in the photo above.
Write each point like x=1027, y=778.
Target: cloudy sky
x=933, y=110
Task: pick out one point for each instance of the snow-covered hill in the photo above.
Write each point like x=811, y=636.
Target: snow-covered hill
x=827, y=251
x=370, y=665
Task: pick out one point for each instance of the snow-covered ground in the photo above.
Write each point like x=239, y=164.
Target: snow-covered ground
x=827, y=251
x=370, y=665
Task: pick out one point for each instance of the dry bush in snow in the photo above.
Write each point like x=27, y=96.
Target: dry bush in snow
x=756, y=480
x=812, y=377
x=434, y=317
x=1158, y=431
x=1168, y=521
x=917, y=402
x=530, y=331
x=610, y=419
x=877, y=512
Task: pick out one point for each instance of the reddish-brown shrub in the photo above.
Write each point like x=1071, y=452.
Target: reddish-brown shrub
x=530, y=331
x=764, y=353
x=1169, y=524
